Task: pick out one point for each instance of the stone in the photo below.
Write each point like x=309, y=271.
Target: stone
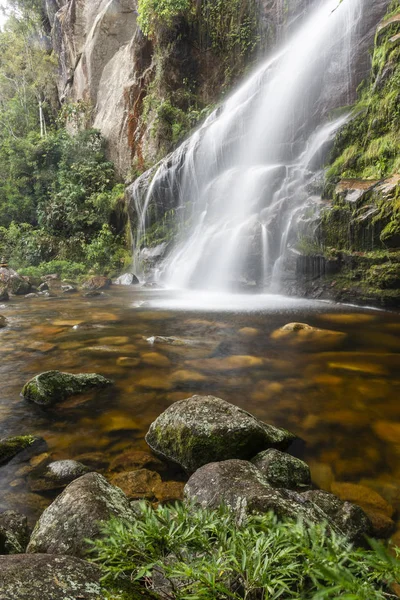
x=229, y=363
x=31, y=295
x=76, y=516
x=298, y=333
x=14, y=283
x=170, y=491
x=96, y=461
x=388, y=431
x=168, y=341
x=4, y=295
x=56, y=475
x=52, y=387
x=240, y=486
x=14, y=532
x=3, y=322
x=138, y=485
x=155, y=359
x=204, y=429
x=97, y=283
x=93, y=294
x=43, y=287
x=45, y=577
x=131, y=460
x=24, y=446
x=349, y=518
x=283, y=470
x=127, y=279
x=69, y=289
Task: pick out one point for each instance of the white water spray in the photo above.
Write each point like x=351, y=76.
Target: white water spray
x=243, y=179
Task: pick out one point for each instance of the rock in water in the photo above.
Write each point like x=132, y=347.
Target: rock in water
x=53, y=386
x=56, y=475
x=349, y=518
x=283, y=470
x=4, y=296
x=3, y=322
x=44, y=577
x=97, y=283
x=26, y=445
x=127, y=279
x=242, y=487
x=14, y=532
x=205, y=429
x=76, y=516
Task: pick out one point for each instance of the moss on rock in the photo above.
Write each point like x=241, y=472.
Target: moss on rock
x=10, y=447
x=54, y=386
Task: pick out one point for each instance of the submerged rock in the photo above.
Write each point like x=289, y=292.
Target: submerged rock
x=44, y=577
x=56, y=475
x=298, y=333
x=138, y=485
x=127, y=279
x=283, y=470
x=54, y=386
x=26, y=444
x=14, y=532
x=76, y=516
x=205, y=429
x=97, y=283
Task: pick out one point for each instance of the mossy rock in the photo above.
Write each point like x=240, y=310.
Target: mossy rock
x=29, y=444
x=282, y=470
x=205, y=429
x=52, y=387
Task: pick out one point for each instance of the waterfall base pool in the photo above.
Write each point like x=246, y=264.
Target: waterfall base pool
x=338, y=391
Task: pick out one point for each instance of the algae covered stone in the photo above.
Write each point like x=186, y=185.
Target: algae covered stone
x=45, y=577
x=26, y=444
x=205, y=429
x=54, y=386
x=283, y=470
x=76, y=516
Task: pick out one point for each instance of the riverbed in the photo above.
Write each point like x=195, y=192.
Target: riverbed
x=337, y=390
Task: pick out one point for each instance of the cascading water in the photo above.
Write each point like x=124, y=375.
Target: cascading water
x=242, y=184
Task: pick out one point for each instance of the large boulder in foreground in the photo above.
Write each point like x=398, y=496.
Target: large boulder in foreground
x=44, y=577
x=205, y=429
x=239, y=485
x=283, y=470
x=52, y=387
x=76, y=516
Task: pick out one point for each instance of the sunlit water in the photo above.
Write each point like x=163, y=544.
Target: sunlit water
x=338, y=392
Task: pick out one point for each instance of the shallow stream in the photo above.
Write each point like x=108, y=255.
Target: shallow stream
x=339, y=391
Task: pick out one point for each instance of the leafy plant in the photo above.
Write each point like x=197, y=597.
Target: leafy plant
x=156, y=12
x=200, y=554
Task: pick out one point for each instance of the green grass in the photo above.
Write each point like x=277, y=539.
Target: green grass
x=210, y=555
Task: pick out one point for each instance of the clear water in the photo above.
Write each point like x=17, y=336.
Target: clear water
x=339, y=393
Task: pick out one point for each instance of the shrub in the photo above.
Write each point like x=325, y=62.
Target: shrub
x=64, y=268
x=154, y=12
x=210, y=555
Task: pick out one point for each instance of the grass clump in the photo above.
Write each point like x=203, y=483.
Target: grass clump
x=203, y=554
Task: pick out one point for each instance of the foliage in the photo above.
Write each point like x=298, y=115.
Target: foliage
x=153, y=13
x=369, y=145
x=210, y=555
x=64, y=268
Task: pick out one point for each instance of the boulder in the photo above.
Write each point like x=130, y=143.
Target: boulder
x=54, y=386
x=44, y=287
x=56, y=475
x=127, y=279
x=23, y=445
x=239, y=485
x=283, y=470
x=138, y=485
x=76, y=516
x=349, y=518
x=44, y=577
x=301, y=333
x=205, y=429
x=97, y=283
x=3, y=322
x=13, y=283
x=14, y=532
x=69, y=289
x=4, y=295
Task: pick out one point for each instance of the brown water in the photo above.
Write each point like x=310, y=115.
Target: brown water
x=338, y=391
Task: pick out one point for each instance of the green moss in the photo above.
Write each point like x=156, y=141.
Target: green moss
x=10, y=447
x=53, y=386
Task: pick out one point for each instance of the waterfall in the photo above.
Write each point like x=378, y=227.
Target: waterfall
x=242, y=187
